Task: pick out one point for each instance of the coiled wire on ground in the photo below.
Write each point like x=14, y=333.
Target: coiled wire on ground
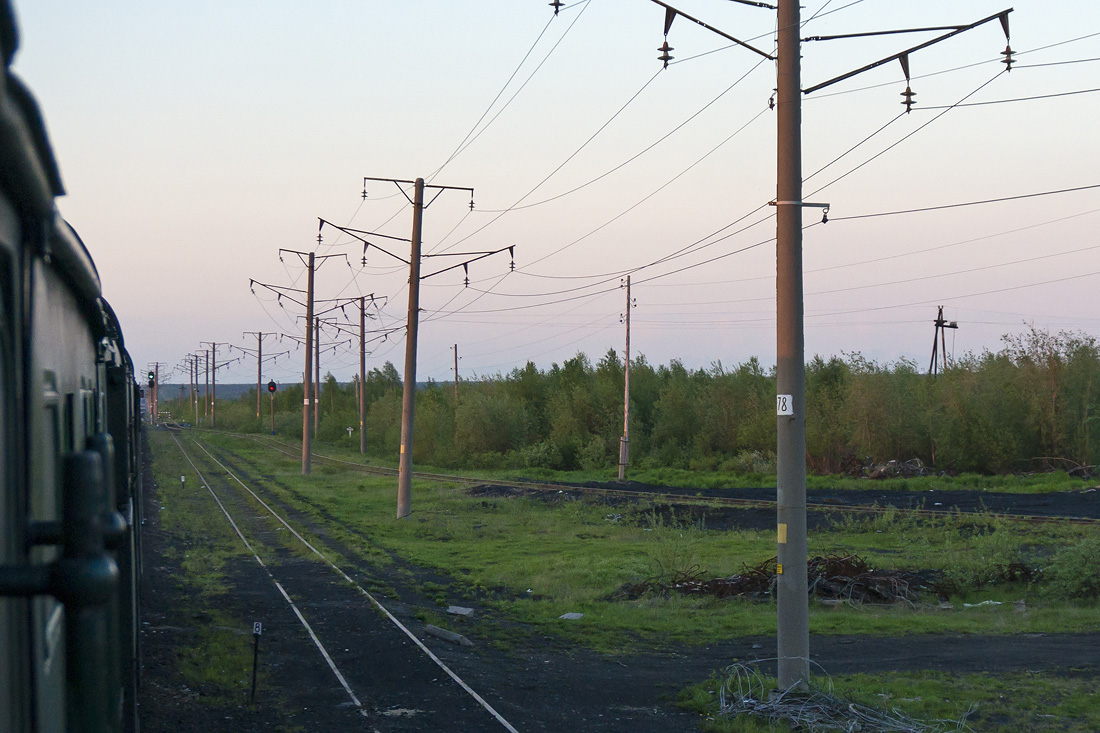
x=744, y=691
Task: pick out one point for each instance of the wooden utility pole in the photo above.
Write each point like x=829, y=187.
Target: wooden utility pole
x=624, y=443
x=362, y=392
x=312, y=263
x=408, y=393
x=939, y=340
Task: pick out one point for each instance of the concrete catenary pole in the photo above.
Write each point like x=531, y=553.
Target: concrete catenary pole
x=259, y=372
x=362, y=392
x=624, y=445
x=456, y=381
x=408, y=393
x=306, y=374
x=214, y=386
x=156, y=391
x=793, y=637
x=206, y=389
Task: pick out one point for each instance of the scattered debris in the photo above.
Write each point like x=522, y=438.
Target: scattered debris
x=571, y=616
x=983, y=603
x=844, y=578
x=894, y=469
x=460, y=611
x=448, y=635
x=401, y=712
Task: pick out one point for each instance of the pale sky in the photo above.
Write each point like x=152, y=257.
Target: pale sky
x=196, y=138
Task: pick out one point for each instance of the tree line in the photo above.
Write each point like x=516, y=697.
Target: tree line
x=1026, y=406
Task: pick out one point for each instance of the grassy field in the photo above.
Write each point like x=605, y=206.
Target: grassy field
x=1025, y=701
x=526, y=560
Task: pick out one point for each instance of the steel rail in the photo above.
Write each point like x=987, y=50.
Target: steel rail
x=362, y=591
x=309, y=630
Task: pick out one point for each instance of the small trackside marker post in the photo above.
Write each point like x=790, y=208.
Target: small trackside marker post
x=257, y=629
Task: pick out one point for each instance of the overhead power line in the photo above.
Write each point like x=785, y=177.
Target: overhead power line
x=965, y=203
x=1018, y=99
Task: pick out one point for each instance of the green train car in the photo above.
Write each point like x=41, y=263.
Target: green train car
x=70, y=454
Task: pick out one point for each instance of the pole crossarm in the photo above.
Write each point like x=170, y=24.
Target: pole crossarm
x=671, y=13
x=867, y=34
x=354, y=330
x=755, y=4
x=438, y=189
x=465, y=265
x=903, y=56
x=279, y=290
x=341, y=304
x=316, y=257
x=356, y=233
x=254, y=352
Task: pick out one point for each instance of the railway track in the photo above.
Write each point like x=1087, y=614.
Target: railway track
x=675, y=498
x=221, y=474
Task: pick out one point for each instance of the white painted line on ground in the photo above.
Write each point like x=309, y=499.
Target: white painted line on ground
x=458, y=680
x=308, y=628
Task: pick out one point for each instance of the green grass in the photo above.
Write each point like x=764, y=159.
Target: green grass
x=531, y=561
x=1022, y=701
x=219, y=660
x=215, y=657
x=717, y=479
x=523, y=562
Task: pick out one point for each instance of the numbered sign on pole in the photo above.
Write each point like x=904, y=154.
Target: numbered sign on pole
x=784, y=404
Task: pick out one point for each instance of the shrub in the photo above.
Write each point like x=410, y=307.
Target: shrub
x=1074, y=573
x=541, y=455
x=592, y=454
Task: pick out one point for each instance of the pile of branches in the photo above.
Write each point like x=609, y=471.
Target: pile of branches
x=754, y=582
x=869, y=468
x=847, y=578
x=851, y=579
